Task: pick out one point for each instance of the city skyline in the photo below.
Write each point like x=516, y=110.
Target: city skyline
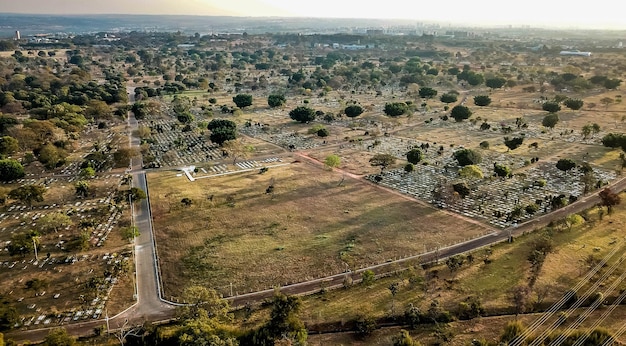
x=477, y=13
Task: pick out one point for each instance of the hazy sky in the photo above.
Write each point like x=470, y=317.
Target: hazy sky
x=598, y=13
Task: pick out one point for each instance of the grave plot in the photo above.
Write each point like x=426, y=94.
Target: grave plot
x=291, y=141
x=498, y=201
x=69, y=234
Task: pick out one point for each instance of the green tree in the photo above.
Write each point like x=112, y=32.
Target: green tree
x=353, y=111
x=302, y=114
x=460, y=113
x=550, y=120
x=513, y=143
x=276, y=100
x=395, y=109
x=8, y=145
x=284, y=324
x=243, y=100
x=551, y=107
x=448, y=98
x=574, y=104
x=502, y=170
x=482, y=100
x=59, y=337
x=51, y=156
x=427, y=93
x=368, y=277
x=565, y=164
x=414, y=156
x=185, y=117
x=136, y=194
x=383, y=161
x=222, y=130
x=495, y=83
x=54, y=222
x=28, y=193
x=87, y=172
x=332, y=161
x=467, y=157
x=10, y=170
x=82, y=188
x=97, y=110
x=130, y=233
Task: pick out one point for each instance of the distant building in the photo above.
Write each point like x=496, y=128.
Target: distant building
x=375, y=32
x=575, y=53
x=17, y=35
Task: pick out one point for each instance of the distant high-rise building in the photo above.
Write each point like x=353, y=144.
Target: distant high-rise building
x=17, y=35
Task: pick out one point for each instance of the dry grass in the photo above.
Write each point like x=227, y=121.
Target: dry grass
x=308, y=229
x=492, y=283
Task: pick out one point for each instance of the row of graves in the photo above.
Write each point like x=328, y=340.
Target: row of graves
x=492, y=199
x=56, y=250
x=172, y=148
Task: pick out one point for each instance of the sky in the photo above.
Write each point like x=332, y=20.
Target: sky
x=594, y=14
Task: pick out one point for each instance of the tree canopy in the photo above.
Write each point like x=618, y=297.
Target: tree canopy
x=353, y=111
x=495, y=83
x=276, y=100
x=573, y=104
x=565, y=164
x=28, y=193
x=551, y=107
x=382, y=160
x=414, y=156
x=467, y=157
x=460, y=113
x=395, y=109
x=302, y=114
x=222, y=130
x=10, y=170
x=448, y=98
x=243, y=100
x=550, y=120
x=482, y=100
x=427, y=93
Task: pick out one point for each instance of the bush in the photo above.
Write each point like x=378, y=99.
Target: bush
x=243, y=100
x=396, y=109
x=353, y=111
x=482, y=100
x=323, y=132
x=302, y=114
x=275, y=100
x=11, y=170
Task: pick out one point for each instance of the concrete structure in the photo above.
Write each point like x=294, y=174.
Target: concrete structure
x=17, y=35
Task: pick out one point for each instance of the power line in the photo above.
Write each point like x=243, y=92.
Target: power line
x=517, y=341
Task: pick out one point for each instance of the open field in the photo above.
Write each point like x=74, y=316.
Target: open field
x=308, y=228
x=491, y=282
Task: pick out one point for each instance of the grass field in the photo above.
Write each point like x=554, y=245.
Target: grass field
x=310, y=227
x=492, y=283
